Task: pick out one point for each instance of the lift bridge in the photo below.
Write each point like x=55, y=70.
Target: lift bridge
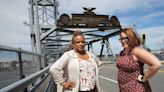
x=25, y=71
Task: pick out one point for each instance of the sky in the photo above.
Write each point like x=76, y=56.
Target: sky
x=146, y=16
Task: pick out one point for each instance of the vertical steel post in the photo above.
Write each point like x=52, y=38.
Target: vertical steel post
x=31, y=17
x=37, y=28
x=20, y=65
x=102, y=49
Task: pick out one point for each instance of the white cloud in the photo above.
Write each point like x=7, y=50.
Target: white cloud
x=153, y=33
x=106, y=6
x=154, y=36
x=151, y=16
x=154, y=14
x=102, y=6
x=12, y=31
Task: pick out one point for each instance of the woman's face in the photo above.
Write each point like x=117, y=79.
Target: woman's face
x=124, y=39
x=79, y=43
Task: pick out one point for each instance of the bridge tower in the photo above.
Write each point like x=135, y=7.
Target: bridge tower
x=43, y=16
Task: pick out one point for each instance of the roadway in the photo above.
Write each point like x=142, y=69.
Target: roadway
x=108, y=79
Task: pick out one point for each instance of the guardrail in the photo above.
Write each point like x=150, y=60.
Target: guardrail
x=22, y=84
x=16, y=64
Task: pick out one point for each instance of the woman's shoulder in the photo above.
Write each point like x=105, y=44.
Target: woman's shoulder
x=139, y=51
x=136, y=49
x=71, y=53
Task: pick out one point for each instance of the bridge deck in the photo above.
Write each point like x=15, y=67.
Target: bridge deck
x=108, y=79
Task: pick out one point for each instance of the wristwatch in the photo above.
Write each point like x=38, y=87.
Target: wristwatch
x=142, y=79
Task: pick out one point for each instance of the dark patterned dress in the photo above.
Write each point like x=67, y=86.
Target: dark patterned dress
x=128, y=72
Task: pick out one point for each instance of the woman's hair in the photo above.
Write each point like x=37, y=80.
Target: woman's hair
x=133, y=39
x=75, y=33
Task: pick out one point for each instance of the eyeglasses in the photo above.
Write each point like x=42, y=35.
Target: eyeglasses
x=123, y=38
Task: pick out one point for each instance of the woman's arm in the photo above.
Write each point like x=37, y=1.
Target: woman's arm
x=149, y=59
x=57, y=67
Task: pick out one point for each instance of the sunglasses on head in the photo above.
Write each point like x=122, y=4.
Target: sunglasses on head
x=123, y=38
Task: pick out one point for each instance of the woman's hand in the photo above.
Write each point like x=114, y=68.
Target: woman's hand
x=69, y=85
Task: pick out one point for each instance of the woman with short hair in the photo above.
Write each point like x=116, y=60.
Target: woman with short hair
x=76, y=70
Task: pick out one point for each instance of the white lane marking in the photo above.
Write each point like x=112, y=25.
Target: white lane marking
x=108, y=79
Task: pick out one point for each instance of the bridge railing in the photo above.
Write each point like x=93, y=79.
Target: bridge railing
x=42, y=77
x=16, y=64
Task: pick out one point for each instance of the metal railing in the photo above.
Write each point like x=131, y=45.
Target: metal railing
x=18, y=86
x=17, y=64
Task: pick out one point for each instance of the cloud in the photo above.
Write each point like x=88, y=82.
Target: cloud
x=154, y=36
x=12, y=31
x=16, y=39
x=147, y=15
x=102, y=6
x=129, y=12
x=153, y=33
x=153, y=15
x=108, y=6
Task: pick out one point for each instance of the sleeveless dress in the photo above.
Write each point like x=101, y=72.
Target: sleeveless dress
x=128, y=71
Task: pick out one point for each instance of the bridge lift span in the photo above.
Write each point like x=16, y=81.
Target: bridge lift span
x=51, y=33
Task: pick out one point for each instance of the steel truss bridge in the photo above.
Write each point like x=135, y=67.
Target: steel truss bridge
x=51, y=34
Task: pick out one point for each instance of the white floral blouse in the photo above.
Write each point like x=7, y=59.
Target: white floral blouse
x=87, y=75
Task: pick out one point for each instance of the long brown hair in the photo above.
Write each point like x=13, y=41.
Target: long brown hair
x=133, y=39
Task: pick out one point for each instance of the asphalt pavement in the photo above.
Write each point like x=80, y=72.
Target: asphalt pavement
x=108, y=79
